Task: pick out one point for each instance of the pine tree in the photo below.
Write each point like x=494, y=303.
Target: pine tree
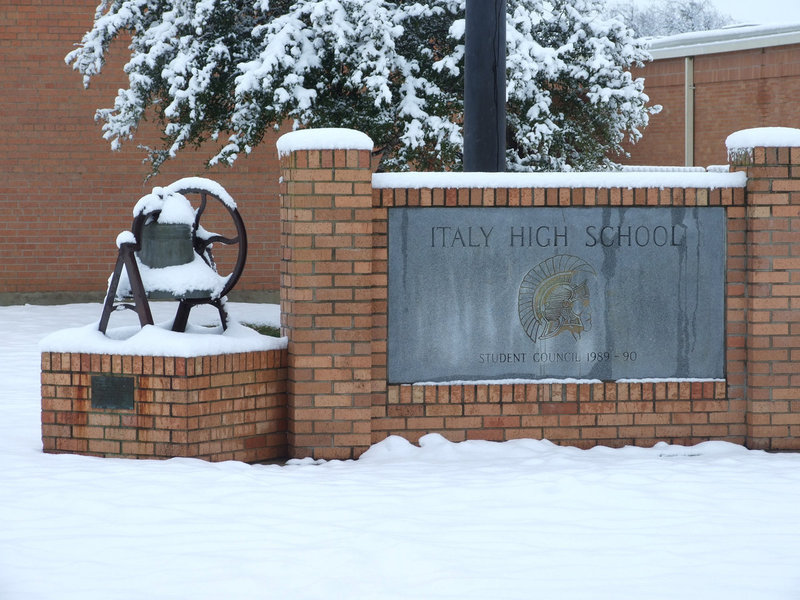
x=227, y=70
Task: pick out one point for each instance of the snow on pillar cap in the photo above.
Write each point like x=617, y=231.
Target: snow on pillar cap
x=333, y=138
x=763, y=137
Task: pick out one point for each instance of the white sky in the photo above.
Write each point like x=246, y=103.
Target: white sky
x=754, y=11
x=761, y=11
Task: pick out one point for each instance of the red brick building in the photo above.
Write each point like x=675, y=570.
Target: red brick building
x=64, y=196
x=713, y=83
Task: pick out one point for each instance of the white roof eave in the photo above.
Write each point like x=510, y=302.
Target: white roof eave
x=724, y=40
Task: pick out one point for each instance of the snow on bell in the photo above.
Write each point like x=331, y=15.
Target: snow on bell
x=167, y=254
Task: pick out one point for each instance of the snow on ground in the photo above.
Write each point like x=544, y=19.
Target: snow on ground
x=476, y=520
x=159, y=339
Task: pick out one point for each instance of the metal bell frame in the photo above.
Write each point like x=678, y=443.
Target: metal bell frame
x=201, y=245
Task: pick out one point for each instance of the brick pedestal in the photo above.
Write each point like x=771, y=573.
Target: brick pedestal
x=223, y=407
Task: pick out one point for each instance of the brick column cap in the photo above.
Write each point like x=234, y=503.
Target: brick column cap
x=330, y=138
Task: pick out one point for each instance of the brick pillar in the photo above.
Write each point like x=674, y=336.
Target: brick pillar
x=326, y=290
x=773, y=296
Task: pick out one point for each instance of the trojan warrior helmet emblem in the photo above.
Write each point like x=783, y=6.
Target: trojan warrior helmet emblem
x=554, y=298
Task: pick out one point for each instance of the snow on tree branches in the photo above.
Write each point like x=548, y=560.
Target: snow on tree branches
x=227, y=70
x=670, y=17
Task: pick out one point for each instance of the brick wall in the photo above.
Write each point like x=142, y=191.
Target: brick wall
x=583, y=415
x=756, y=404
x=578, y=414
x=733, y=91
x=327, y=395
x=662, y=142
x=64, y=196
x=226, y=407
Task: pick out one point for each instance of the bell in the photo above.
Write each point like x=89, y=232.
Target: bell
x=166, y=244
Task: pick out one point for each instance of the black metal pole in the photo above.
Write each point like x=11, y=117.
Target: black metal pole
x=485, y=86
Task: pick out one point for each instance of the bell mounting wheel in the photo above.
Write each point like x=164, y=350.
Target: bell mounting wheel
x=204, y=240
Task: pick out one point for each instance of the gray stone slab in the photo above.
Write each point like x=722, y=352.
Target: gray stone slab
x=537, y=293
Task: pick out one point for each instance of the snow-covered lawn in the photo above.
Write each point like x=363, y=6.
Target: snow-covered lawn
x=476, y=520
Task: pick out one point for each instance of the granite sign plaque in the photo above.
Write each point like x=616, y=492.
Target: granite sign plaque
x=537, y=293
